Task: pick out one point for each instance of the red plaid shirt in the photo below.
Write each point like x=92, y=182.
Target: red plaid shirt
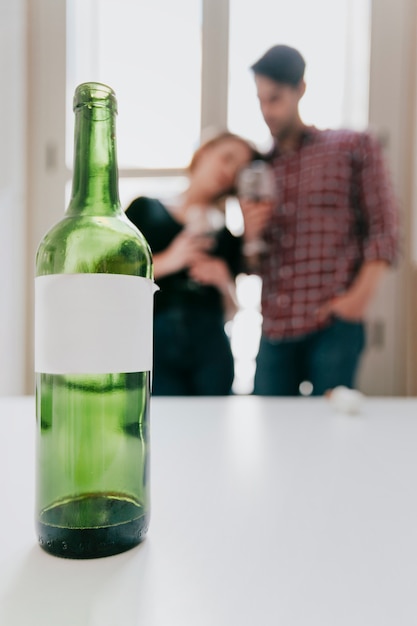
x=335, y=210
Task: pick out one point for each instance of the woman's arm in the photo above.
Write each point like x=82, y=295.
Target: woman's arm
x=184, y=251
x=214, y=271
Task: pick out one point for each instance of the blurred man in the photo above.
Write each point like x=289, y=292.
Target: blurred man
x=326, y=239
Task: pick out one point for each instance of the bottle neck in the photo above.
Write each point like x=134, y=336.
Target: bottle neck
x=95, y=179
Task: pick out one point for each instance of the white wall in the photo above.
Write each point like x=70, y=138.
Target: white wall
x=47, y=100
x=393, y=116
x=13, y=302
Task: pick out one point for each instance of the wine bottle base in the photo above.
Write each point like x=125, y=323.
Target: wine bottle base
x=64, y=530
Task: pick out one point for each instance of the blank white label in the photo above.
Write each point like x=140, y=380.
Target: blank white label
x=93, y=323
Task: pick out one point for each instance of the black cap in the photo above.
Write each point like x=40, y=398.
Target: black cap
x=282, y=64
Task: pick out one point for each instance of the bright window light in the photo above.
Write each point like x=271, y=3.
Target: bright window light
x=334, y=38
x=150, y=53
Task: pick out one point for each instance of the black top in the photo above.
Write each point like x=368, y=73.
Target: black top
x=159, y=228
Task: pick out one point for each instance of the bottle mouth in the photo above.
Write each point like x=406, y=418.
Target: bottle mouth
x=95, y=94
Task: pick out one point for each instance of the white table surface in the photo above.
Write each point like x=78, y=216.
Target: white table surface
x=264, y=512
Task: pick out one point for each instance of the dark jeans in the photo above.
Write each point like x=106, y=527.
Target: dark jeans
x=192, y=354
x=326, y=358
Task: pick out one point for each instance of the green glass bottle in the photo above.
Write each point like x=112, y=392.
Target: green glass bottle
x=93, y=355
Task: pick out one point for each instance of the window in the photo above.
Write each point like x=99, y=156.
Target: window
x=179, y=66
x=150, y=54
x=336, y=50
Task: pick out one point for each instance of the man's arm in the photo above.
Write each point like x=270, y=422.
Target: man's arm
x=378, y=206
x=377, y=202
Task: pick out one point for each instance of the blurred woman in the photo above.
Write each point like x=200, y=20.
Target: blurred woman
x=196, y=260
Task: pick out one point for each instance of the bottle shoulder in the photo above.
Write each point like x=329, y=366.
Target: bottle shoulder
x=93, y=244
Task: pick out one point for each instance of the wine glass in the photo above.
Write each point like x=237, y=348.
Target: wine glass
x=204, y=222
x=256, y=183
